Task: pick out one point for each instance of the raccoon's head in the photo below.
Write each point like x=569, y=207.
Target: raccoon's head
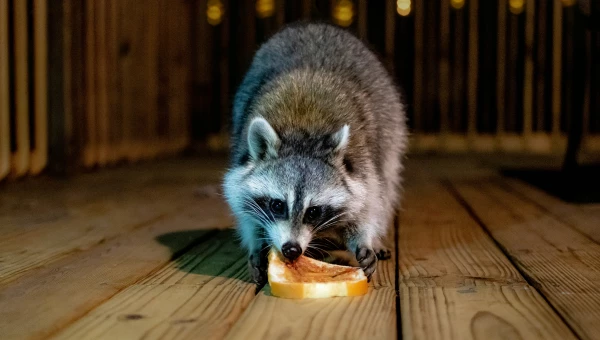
x=291, y=195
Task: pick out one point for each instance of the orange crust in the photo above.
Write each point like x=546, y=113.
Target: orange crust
x=297, y=290
x=309, y=278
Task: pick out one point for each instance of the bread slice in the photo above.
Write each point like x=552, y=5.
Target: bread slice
x=307, y=278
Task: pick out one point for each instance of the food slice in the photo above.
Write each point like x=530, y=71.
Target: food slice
x=307, y=278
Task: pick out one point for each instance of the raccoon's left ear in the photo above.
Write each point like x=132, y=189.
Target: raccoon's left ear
x=339, y=140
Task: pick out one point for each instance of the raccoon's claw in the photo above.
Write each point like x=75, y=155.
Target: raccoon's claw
x=384, y=254
x=367, y=260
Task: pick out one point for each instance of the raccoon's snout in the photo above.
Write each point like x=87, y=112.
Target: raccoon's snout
x=291, y=250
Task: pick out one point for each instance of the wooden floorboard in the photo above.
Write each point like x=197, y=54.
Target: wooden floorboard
x=46, y=220
x=127, y=254
x=200, y=295
x=584, y=218
x=45, y=301
x=561, y=262
x=455, y=283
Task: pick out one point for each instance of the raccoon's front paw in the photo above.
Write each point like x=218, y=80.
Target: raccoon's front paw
x=367, y=260
x=257, y=265
x=383, y=254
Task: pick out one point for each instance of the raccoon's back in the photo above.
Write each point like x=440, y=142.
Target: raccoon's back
x=323, y=48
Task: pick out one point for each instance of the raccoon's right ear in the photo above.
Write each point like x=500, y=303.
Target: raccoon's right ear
x=263, y=141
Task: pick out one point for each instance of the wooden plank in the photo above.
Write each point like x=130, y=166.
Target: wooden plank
x=528, y=80
x=90, y=153
x=455, y=283
x=39, y=152
x=444, y=34
x=20, y=157
x=580, y=218
x=41, y=304
x=558, y=260
x=419, y=13
x=42, y=222
x=472, y=67
x=5, y=153
x=202, y=293
x=102, y=119
x=556, y=67
x=152, y=148
x=116, y=152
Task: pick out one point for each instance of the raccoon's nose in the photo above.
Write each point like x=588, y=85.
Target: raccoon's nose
x=291, y=251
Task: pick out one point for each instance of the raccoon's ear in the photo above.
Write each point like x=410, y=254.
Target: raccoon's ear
x=339, y=139
x=263, y=141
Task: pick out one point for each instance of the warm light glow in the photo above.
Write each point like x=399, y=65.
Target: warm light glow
x=214, y=12
x=403, y=7
x=516, y=6
x=457, y=4
x=568, y=3
x=343, y=13
x=265, y=8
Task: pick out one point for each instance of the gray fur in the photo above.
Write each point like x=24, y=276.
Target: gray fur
x=339, y=141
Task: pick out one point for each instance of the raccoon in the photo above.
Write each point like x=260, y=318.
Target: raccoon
x=317, y=146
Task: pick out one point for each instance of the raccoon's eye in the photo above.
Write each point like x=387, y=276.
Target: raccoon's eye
x=313, y=214
x=277, y=207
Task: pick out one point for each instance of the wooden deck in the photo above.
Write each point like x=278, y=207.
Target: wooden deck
x=147, y=252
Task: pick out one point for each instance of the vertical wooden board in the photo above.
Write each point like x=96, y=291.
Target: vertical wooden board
x=115, y=139
x=541, y=79
x=39, y=152
x=529, y=69
x=20, y=157
x=556, y=69
x=501, y=74
x=455, y=283
x=151, y=63
x=472, y=65
x=458, y=72
x=419, y=13
x=200, y=294
x=561, y=263
x=101, y=82
x=41, y=304
x=369, y=316
x=5, y=153
x=90, y=152
x=125, y=26
x=444, y=34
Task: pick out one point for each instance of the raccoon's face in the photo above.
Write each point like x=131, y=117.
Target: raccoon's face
x=290, y=198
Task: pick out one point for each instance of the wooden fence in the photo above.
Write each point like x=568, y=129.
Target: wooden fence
x=489, y=76
x=90, y=83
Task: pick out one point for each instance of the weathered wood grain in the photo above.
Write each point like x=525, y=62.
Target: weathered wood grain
x=40, y=304
x=45, y=220
x=200, y=295
x=455, y=283
x=562, y=263
x=586, y=220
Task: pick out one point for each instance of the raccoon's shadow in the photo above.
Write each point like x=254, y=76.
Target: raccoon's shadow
x=206, y=255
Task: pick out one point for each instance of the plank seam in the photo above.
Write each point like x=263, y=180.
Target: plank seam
x=530, y=280
x=510, y=189
x=175, y=255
